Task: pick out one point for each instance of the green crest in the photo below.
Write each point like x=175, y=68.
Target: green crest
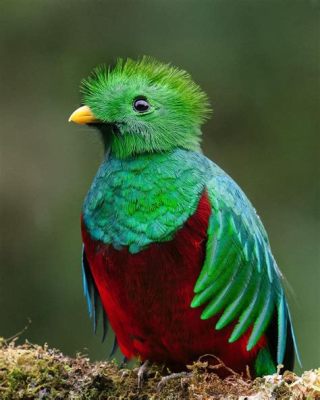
x=176, y=106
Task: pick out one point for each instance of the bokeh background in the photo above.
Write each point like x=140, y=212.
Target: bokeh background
x=259, y=63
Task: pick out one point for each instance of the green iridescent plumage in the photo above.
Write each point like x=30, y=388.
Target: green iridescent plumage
x=151, y=181
x=178, y=106
x=138, y=201
x=240, y=276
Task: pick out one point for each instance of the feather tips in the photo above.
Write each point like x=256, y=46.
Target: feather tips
x=282, y=329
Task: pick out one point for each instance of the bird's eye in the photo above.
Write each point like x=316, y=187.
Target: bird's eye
x=141, y=105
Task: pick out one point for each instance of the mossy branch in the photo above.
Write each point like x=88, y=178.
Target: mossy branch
x=38, y=372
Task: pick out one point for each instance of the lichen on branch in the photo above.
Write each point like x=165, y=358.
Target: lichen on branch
x=37, y=372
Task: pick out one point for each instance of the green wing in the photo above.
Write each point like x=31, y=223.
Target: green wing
x=240, y=277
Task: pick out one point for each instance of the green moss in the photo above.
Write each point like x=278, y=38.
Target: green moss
x=35, y=372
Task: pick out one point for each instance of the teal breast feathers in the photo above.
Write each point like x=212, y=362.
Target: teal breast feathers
x=142, y=200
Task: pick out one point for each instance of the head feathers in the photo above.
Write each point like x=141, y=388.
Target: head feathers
x=178, y=106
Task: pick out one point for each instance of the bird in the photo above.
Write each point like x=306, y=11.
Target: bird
x=174, y=254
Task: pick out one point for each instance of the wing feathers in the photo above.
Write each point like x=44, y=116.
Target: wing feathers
x=234, y=309
x=220, y=281
x=245, y=319
x=223, y=297
x=282, y=328
x=239, y=275
x=262, y=321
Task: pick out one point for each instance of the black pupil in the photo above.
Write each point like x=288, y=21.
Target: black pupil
x=141, y=105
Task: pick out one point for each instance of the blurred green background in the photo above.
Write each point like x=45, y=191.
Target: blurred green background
x=259, y=63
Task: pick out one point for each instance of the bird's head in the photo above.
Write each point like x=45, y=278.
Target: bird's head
x=142, y=107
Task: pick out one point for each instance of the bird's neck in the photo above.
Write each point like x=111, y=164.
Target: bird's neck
x=128, y=146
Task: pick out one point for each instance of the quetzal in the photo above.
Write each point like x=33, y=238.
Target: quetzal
x=173, y=250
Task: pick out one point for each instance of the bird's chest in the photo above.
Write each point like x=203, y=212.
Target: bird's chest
x=147, y=295
x=134, y=203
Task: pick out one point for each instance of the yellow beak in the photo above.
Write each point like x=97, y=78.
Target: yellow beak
x=83, y=115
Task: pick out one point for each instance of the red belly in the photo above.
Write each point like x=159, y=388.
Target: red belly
x=147, y=299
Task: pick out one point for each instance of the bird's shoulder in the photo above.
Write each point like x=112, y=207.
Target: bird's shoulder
x=225, y=193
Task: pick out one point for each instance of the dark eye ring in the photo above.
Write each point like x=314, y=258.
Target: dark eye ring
x=141, y=105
